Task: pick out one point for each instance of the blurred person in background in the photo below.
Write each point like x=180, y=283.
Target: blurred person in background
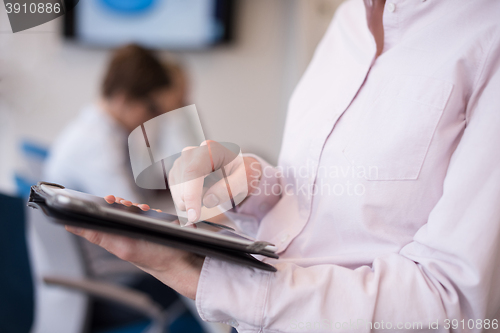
x=91, y=155
x=136, y=88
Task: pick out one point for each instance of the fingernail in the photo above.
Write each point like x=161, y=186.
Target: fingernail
x=143, y=207
x=210, y=201
x=191, y=215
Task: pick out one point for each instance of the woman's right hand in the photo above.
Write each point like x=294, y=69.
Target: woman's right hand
x=186, y=178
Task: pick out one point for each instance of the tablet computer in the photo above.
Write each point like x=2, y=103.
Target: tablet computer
x=65, y=206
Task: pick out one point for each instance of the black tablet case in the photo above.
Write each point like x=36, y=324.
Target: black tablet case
x=192, y=243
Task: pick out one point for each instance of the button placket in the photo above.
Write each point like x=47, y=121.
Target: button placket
x=391, y=23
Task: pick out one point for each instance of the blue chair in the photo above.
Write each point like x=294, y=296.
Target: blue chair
x=33, y=156
x=16, y=283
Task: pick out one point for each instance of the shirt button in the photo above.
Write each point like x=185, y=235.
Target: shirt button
x=233, y=323
x=391, y=7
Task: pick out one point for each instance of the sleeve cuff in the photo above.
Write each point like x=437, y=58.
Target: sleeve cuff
x=232, y=294
x=263, y=198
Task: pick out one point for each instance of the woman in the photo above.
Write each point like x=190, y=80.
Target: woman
x=387, y=213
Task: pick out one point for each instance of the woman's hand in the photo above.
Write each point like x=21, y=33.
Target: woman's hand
x=178, y=269
x=187, y=177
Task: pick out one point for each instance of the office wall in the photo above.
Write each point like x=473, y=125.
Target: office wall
x=241, y=90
